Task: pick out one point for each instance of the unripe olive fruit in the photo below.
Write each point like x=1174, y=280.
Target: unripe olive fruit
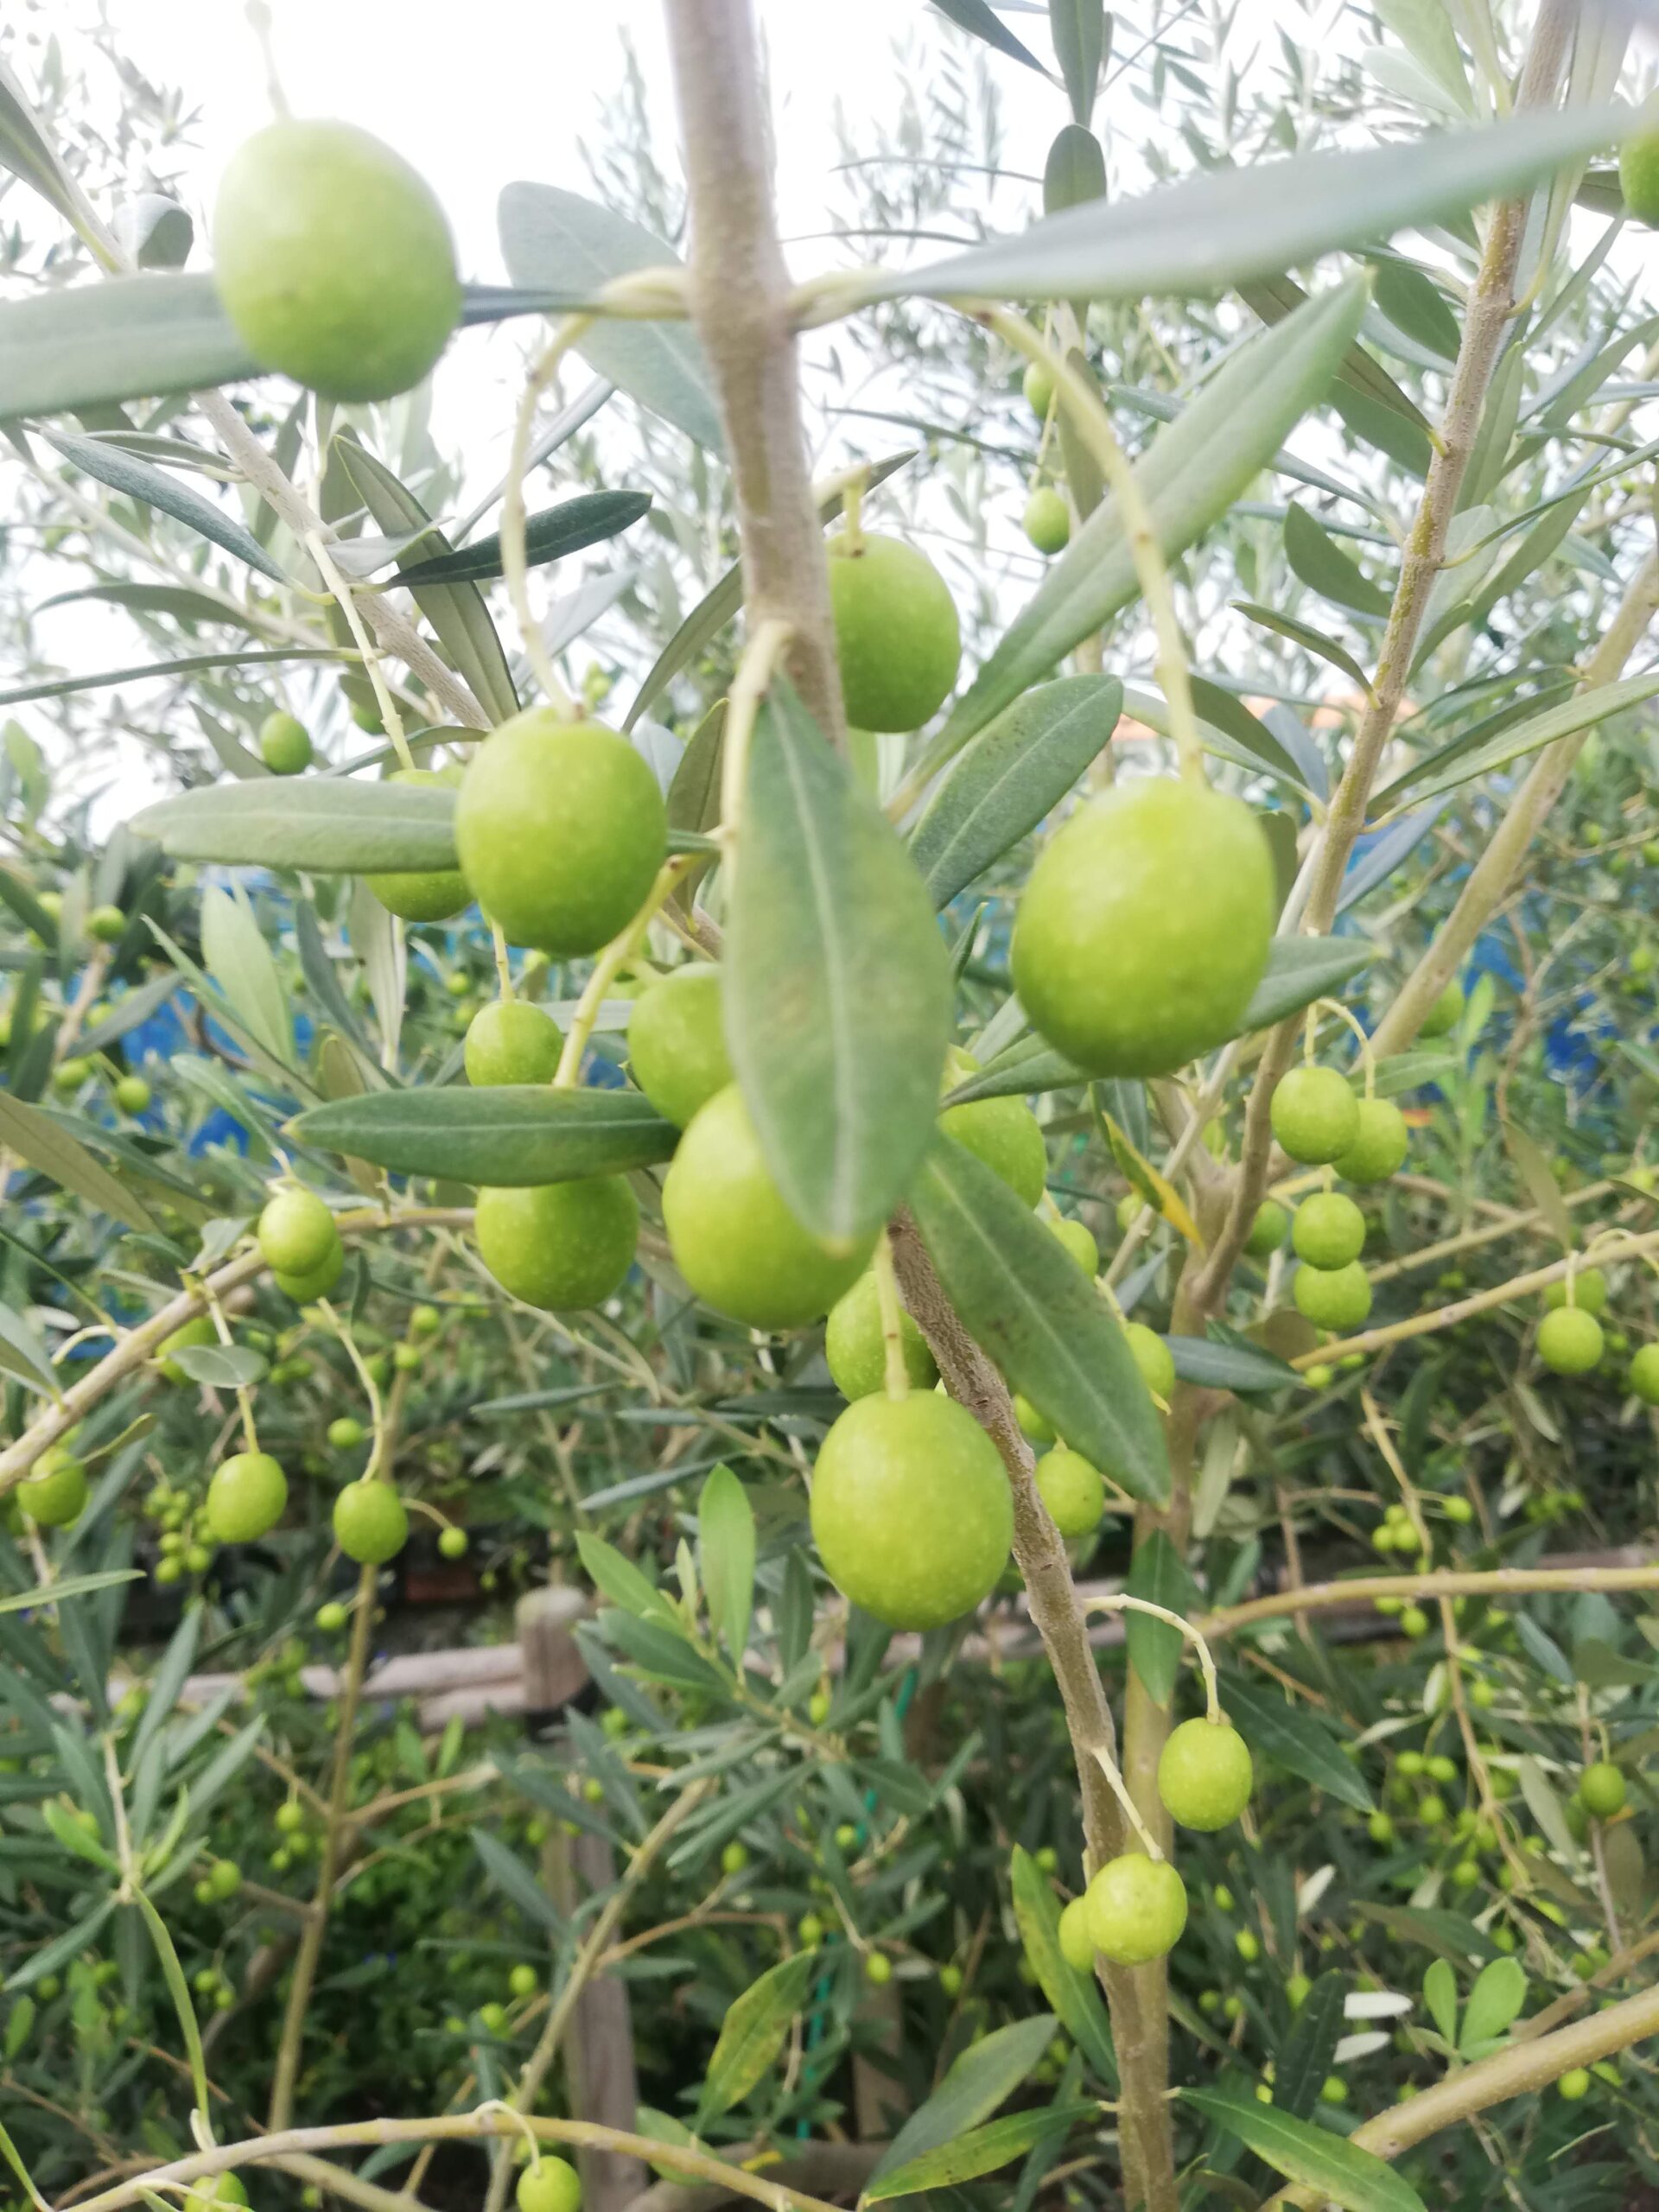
x=1153, y=1357
x=897, y=636
x=1006, y=1136
x=333, y=259
x=878, y=1968
x=1145, y=926
x=371, y=1522
x=561, y=829
x=132, y=1095
x=1297, y=1987
x=345, y=1433
x=1589, y=1291
x=1570, y=1340
x=1329, y=1231
x=856, y=1350
x=1645, y=1374
x=423, y=894
x=1205, y=1775
x=1574, y=2084
x=1333, y=1298
x=331, y=1617
x=70, y=1074
x=1080, y=1243
x=1036, y=1426
x=512, y=1041
x=1073, y=1492
x=214, y=2193
x=1039, y=388
x=453, y=1543
x=1379, y=1150
x=1446, y=1012
x=247, y=1498
x=1136, y=1909
x=1048, y=519
x=284, y=745
x=1267, y=1230
x=560, y=1246
x=53, y=1496
x=911, y=1512
x=733, y=1237
x=1601, y=1789
x=106, y=924
x=296, y=1232
x=548, y=2185
x=676, y=1045
x=1315, y=1115
x=1077, y=1944
x=304, y=1289
x=522, y=1982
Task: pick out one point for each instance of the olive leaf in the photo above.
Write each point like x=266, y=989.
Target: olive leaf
x=1336, y=2171
x=753, y=2034
x=838, y=994
x=514, y=1135
x=1031, y=1306
x=326, y=825
x=1075, y=1996
x=987, y=2072
x=136, y=479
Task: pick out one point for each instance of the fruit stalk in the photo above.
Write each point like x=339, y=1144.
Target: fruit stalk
x=741, y=304
x=1134, y=1994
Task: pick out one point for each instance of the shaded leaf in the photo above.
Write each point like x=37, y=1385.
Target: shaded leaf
x=586, y=520
x=1006, y=778
x=512, y=1136
x=1157, y=1573
x=516, y=1881
x=1232, y=1366
x=1304, y=2059
x=987, y=2072
x=152, y=487
x=981, y=2150
x=1299, y=970
x=1582, y=711
x=1323, y=566
x=37, y=1138
x=1305, y=635
x=1357, y=2180
x=726, y=1552
x=1039, y=1318
x=753, y=2034
x=1276, y=1729
x=838, y=996
x=326, y=824
x=1079, y=30
x=980, y=20
x=1074, y=1996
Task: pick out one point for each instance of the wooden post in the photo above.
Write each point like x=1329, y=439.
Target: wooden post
x=598, y=2068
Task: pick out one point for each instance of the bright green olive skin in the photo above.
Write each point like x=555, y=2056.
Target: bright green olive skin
x=1038, y=386
x=333, y=261
x=559, y=1246
x=1205, y=1775
x=1047, y=520
x=676, y=1045
x=370, y=1522
x=1145, y=926
x=1329, y=1231
x=510, y=1040
x=734, y=1239
x=1267, y=1229
x=897, y=636
x=1333, y=1298
x=1073, y=1492
x=296, y=1232
x=54, y=1497
x=1446, y=1012
x=1379, y=1150
x=1645, y=1374
x=304, y=1290
x=247, y=1498
x=561, y=829
x=911, y=1512
x=423, y=895
x=1006, y=1136
x=550, y=2185
x=1570, y=1340
x=284, y=745
x=1589, y=1291
x=1638, y=176
x=1136, y=1909
x=1601, y=1789
x=1315, y=1115
x=856, y=1350
x=1079, y=1242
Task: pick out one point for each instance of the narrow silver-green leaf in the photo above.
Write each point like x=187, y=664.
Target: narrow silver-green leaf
x=1305, y=2060
x=838, y=991
x=327, y=824
x=752, y=2035
x=1003, y=783
x=588, y=519
x=124, y=338
x=1074, y=1996
x=1583, y=711
x=1158, y=1574
x=26, y=151
x=1239, y=1366
x=153, y=487
x=177, y=600
x=515, y=1136
x=1299, y=970
x=516, y=1881
x=456, y=611
x=1078, y=30
x=1276, y=1729
x=986, y=2074
x=1039, y=1318
x=726, y=1548
x=1188, y=477
x=1338, y=2170
x=1229, y=225
x=552, y=236
x=235, y=956
x=1311, y=640
x=102, y=679
x=1316, y=557
x=38, y=1140
x=981, y=2150
x=981, y=22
